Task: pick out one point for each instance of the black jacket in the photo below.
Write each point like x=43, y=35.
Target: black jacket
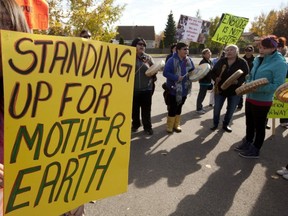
x=240, y=63
x=207, y=78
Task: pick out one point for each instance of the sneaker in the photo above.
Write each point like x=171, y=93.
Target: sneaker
x=251, y=153
x=211, y=105
x=201, y=112
x=244, y=146
x=214, y=127
x=285, y=176
x=149, y=131
x=134, y=129
x=268, y=127
x=282, y=172
x=285, y=125
x=227, y=128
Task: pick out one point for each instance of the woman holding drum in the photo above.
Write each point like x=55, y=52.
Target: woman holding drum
x=222, y=71
x=272, y=66
x=205, y=82
x=176, y=71
x=143, y=88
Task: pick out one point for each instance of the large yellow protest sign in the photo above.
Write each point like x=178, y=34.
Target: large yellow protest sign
x=278, y=109
x=230, y=29
x=67, y=121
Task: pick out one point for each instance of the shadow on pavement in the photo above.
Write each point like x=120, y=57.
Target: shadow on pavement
x=146, y=167
x=216, y=196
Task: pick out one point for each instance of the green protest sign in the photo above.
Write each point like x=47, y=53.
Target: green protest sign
x=278, y=109
x=230, y=29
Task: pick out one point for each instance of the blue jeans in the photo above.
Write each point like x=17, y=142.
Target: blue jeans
x=232, y=102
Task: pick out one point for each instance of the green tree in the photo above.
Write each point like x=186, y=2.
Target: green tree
x=56, y=15
x=170, y=31
x=270, y=22
x=96, y=16
x=264, y=24
x=212, y=45
x=258, y=25
x=281, y=26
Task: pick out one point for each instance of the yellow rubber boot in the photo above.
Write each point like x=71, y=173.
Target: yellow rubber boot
x=170, y=124
x=176, y=126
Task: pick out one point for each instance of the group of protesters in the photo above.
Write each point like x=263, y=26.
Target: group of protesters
x=269, y=64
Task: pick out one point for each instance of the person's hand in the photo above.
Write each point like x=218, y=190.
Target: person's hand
x=235, y=82
x=180, y=78
x=1, y=175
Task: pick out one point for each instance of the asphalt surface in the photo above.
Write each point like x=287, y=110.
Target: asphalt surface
x=197, y=172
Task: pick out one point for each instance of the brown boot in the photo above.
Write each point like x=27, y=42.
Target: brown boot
x=170, y=124
x=176, y=126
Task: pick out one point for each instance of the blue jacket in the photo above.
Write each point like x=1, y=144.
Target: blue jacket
x=170, y=72
x=274, y=68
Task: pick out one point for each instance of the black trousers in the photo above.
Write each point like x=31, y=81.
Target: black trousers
x=173, y=108
x=256, y=123
x=142, y=101
x=201, y=96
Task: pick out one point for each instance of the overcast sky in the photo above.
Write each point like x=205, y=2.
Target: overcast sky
x=155, y=12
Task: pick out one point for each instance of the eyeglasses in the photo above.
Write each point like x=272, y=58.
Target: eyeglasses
x=141, y=44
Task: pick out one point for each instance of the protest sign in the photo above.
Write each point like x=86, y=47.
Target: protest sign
x=278, y=109
x=68, y=105
x=192, y=29
x=36, y=13
x=230, y=29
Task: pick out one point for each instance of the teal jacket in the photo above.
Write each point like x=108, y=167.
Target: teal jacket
x=274, y=68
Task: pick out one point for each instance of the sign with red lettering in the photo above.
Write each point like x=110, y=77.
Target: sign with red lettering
x=192, y=29
x=36, y=13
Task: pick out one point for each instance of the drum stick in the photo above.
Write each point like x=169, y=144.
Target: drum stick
x=216, y=82
x=273, y=126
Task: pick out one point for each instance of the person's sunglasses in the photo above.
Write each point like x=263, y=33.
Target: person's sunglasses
x=141, y=44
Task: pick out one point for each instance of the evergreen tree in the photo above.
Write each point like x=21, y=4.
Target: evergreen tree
x=170, y=31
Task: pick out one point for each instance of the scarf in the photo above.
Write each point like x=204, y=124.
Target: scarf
x=187, y=66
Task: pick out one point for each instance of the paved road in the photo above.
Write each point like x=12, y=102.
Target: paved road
x=196, y=172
